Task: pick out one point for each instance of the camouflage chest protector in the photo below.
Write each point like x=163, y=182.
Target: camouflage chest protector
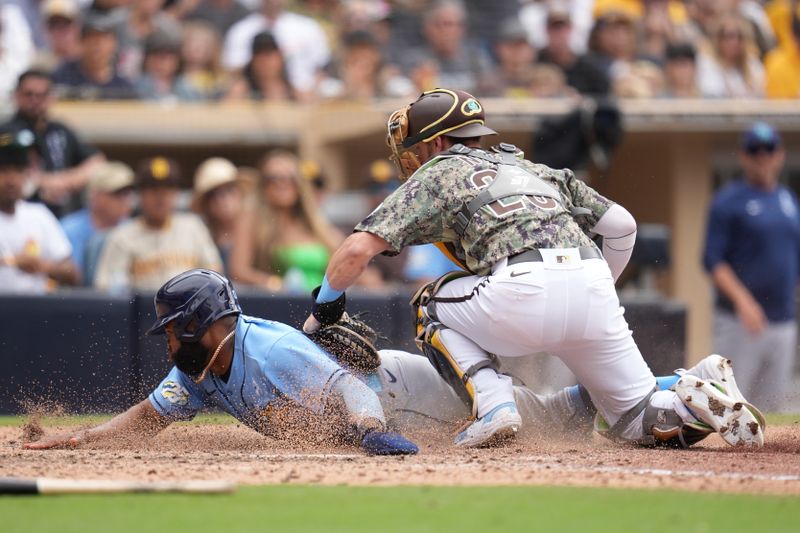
x=510, y=180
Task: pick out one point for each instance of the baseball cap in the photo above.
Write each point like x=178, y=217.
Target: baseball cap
x=161, y=41
x=67, y=9
x=14, y=145
x=158, y=172
x=760, y=135
x=359, y=38
x=615, y=11
x=445, y=112
x=558, y=11
x=264, y=42
x=680, y=51
x=98, y=24
x=212, y=173
x=511, y=30
x=110, y=176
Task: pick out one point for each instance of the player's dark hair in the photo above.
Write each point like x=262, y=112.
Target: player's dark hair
x=33, y=73
x=466, y=141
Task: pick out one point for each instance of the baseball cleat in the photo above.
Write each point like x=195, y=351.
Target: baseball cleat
x=499, y=424
x=719, y=370
x=730, y=418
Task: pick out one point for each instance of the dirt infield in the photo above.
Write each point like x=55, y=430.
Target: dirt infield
x=196, y=451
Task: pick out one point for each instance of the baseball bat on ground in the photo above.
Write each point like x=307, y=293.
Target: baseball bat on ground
x=104, y=486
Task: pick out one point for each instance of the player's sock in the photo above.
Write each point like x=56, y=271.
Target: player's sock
x=580, y=400
x=667, y=382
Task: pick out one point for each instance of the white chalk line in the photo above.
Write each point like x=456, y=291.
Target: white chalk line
x=535, y=463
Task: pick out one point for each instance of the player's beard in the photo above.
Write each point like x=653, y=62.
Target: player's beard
x=191, y=358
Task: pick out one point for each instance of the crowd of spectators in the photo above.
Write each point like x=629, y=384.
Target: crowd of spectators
x=69, y=216
x=122, y=228
x=277, y=50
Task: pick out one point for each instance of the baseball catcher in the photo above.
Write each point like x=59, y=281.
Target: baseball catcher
x=248, y=367
x=536, y=282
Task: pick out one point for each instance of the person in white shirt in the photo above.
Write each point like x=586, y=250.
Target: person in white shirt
x=16, y=50
x=302, y=41
x=143, y=253
x=33, y=247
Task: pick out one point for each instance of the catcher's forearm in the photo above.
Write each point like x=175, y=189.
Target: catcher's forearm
x=360, y=402
x=352, y=258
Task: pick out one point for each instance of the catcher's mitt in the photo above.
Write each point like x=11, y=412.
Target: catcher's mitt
x=351, y=341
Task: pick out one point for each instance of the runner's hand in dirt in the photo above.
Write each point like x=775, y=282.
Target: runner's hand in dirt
x=72, y=440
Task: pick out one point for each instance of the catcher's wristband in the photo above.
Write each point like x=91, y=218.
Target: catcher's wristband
x=329, y=312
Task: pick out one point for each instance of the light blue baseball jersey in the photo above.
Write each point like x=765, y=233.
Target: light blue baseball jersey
x=272, y=363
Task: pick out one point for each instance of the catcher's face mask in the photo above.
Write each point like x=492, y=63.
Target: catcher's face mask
x=406, y=160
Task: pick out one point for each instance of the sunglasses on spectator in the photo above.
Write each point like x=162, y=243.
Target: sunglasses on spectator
x=557, y=24
x=59, y=23
x=755, y=149
x=221, y=191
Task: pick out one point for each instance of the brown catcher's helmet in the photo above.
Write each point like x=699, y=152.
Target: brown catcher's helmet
x=438, y=112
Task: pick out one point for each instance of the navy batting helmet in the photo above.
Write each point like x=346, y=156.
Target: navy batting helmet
x=195, y=298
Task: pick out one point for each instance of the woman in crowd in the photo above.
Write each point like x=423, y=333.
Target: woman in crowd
x=730, y=67
x=680, y=71
x=200, y=56
x=161, y=77
x=265, y=76
x=219, y=200
x=282, y=243
x=360, y=72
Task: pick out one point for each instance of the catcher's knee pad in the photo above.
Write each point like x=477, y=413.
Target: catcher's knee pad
x=460, y=379
x=424, y=300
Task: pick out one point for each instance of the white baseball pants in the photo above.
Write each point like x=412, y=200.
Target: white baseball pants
x=414, y=396
x=563, y=305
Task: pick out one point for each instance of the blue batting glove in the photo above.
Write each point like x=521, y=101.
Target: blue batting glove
x=387, y=443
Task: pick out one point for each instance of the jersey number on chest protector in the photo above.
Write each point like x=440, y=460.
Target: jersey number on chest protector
x=499, y=184
x=502, y=207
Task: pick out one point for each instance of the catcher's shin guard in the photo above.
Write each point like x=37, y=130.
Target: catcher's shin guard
x=429, y=340
x=430, y=343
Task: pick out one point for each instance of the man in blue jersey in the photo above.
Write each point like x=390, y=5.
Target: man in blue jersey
x=252, y=368
x=752, y=253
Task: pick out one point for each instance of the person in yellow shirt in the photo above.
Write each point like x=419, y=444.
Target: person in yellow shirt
x=783, y=68
x=781, y=13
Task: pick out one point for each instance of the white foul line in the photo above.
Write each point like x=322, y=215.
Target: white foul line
x=661, y=472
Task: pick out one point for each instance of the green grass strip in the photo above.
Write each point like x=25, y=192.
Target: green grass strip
x=404, y=509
